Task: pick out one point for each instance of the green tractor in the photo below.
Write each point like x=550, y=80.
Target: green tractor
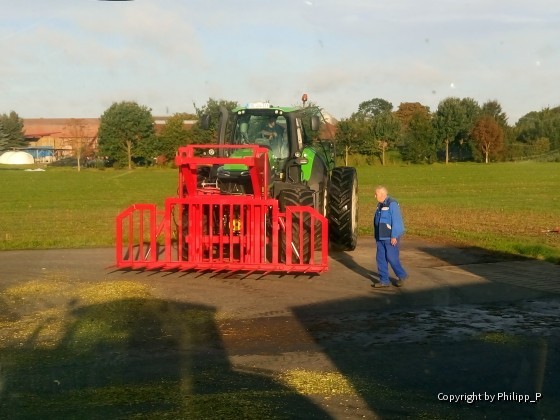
x=302, y=169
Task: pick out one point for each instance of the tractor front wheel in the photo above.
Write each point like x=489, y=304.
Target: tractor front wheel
x=297, y=197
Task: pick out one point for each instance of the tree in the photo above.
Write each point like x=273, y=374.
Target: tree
x=416, y=131
x=76, y=128
x=363, y=121
x=212, y=109
x=126, y=130
x=472, y=112
x=4, y=138
x=449, y=120
x=420, y=144
x=173, y=135
x=494, y=109
x=453, y=122
x=373, y=107
x=13, y=128
x=472, y=109
x=350, y=134
x=541, y=146
x=386, y=130
x=540, y=124
x=488, y=137
x=407, y=110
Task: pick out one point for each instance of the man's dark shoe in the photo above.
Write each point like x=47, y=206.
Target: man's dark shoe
x=380, y=285
x=400, y=282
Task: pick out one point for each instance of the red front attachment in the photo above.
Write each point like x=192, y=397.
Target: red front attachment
x=205, y=229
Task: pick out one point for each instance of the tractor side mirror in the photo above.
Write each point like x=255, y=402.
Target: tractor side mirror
x=205, y=121
x=315, y=122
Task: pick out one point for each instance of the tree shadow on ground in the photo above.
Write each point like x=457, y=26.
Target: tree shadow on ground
x=146, y=358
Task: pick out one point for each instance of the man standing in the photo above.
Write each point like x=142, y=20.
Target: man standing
x=388, y=227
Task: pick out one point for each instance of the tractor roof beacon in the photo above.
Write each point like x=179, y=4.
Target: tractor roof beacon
x=263, y=199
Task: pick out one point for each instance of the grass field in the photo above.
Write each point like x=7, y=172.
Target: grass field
x=502, y=207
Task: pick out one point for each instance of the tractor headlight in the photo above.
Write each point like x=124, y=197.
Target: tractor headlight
x=211, y=152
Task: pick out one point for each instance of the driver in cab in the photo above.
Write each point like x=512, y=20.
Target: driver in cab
x=272, y=131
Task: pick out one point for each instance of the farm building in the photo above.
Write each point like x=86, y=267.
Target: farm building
x=52, y=138
x=41, y=153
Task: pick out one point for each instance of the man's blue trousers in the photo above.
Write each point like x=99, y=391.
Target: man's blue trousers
x=388, y=254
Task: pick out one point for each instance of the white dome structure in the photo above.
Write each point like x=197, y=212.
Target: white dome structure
x=16, y=158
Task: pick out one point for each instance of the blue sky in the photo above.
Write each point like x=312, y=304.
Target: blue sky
x=74, y=58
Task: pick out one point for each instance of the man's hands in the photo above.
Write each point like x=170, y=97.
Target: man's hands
x=269, y=134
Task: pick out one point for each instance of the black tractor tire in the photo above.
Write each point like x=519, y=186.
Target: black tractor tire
x=185, y=223
x=343, y=209
x=296, y=197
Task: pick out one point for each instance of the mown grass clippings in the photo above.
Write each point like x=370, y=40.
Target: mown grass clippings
x=307, y=382
x=45, y=328
x=40, y=313
x=112, y=291
x=36, y=289
x=503, y=338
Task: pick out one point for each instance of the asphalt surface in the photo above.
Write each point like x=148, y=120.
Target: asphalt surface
x=337, y=322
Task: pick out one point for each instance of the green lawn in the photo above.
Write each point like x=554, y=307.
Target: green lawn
x=62, y=207
x=503, y=207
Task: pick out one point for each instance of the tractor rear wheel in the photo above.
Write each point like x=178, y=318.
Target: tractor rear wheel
x=343, y=208
x=296, y=197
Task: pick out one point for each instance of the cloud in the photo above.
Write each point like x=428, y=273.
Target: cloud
x=167, y=54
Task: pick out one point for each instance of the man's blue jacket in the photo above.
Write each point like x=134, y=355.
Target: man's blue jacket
x=387, y=221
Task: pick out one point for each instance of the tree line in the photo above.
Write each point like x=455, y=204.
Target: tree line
x=458, y=130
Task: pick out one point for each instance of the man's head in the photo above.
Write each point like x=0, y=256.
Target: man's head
x=381, y=193
x=272, y=121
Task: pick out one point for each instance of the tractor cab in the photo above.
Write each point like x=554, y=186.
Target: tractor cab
x=263, y=125
x=278, y=129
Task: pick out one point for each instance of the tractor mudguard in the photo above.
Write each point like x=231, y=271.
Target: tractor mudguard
x=309, y=154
